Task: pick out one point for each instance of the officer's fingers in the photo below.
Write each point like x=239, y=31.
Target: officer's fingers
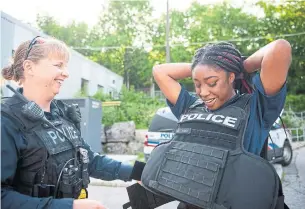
x=87, y=204
x=98, y=205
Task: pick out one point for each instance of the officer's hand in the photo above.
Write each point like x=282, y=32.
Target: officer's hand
x=87, y=204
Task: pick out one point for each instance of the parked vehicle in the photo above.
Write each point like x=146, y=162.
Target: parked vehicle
x=279, y=144
x=164, y=123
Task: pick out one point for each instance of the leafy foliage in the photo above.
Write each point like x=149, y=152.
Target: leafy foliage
x=135, y=106
x=295, y=102
x=130, y=27
x=129, y=41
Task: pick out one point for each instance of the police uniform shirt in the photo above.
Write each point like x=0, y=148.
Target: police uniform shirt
x=264, y=110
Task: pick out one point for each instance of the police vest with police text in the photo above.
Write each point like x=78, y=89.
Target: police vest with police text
x=48, y=154
x=205, y=163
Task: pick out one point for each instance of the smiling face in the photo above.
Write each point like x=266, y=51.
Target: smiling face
x=49, y=74
x=45, y=68
x=213, y=85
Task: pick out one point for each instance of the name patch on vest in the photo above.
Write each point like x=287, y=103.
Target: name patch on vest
x=222, y=120
x=56, y=141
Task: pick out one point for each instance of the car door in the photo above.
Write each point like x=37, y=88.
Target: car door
x=274, y=141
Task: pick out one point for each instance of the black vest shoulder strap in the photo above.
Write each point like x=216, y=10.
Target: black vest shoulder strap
x=65, y=112
x=243, y=100
x=12, y=108
x=61, y=106
x=6, y=111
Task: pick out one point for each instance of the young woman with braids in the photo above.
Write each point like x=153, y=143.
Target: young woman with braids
x=221, y=77
x=217, y=69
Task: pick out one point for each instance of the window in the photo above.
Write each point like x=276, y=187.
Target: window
x=100, y=88
x=113, y=81
x=84, y=86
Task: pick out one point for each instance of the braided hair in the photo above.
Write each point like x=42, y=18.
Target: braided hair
x=225, y=56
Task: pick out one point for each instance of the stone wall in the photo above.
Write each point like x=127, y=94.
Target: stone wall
x=122, y=138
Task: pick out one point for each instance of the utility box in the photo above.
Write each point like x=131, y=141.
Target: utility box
x=91, y=124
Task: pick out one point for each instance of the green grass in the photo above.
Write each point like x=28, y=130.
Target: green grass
x=141, y=157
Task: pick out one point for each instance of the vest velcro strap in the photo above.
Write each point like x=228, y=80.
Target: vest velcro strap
x=206, y=134
x=127, y=205
x=140, y=198
x=209, y=137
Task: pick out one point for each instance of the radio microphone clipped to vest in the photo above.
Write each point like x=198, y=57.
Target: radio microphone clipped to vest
x=33, y=112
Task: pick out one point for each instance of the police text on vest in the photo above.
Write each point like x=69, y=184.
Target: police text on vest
x=220, y=119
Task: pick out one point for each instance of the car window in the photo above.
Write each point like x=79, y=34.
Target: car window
x=162, y=123
x=275, y=126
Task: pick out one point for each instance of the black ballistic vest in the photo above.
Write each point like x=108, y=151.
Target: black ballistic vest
x=49, y=158
x=205, y=164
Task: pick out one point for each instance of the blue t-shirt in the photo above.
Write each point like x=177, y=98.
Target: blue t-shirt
x=264, y=110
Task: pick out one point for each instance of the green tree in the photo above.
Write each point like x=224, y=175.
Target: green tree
x=124, y=24
x=289, y=18
x=73, y=34
x=130, y=27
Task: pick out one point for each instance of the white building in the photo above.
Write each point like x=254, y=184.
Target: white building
x=83, y=72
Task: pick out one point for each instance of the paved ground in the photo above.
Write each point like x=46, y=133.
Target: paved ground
x=294, y=181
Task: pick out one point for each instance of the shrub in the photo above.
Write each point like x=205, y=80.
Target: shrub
x=135, y=106
x=295, y=102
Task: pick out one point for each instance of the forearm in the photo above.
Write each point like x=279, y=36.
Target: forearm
x=270, y=51
x=11, y=199
x=274, y=61
x=174, y=70
x=105, y=168
x=166, y=76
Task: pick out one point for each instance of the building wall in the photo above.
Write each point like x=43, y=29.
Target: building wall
x=13, y=32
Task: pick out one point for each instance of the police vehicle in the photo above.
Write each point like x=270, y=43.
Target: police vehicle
x=164, y=123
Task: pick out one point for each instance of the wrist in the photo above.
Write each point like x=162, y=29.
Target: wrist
x=251, y=66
